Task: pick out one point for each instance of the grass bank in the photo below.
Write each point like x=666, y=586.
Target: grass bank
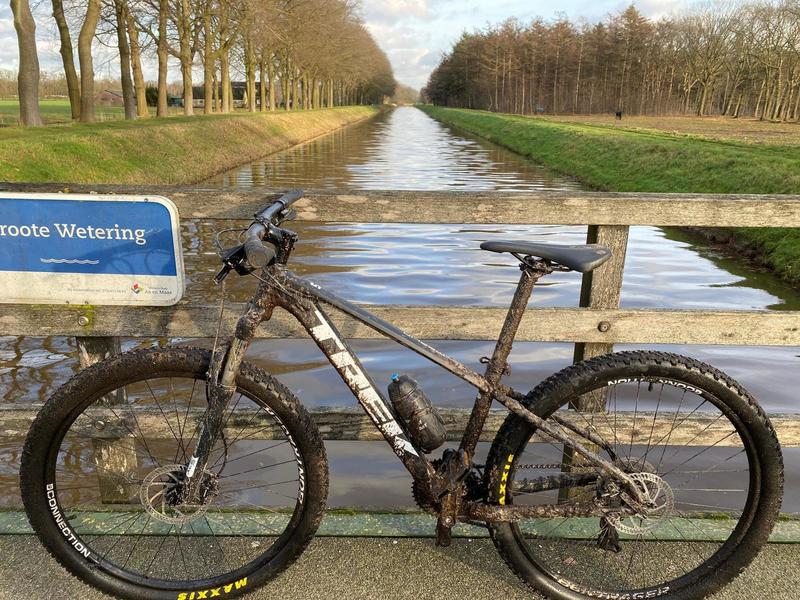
x=169, y=151
x=625, y=160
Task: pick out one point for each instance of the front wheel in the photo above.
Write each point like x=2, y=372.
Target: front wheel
x=105, y=461
x=691, y=437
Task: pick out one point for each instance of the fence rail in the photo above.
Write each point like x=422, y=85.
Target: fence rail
x=353, y=424
x=594, y=326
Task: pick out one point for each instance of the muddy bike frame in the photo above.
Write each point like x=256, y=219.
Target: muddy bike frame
x=281, y=288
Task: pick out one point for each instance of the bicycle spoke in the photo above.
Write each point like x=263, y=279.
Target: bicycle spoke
x=156, y=533
x=664, y=423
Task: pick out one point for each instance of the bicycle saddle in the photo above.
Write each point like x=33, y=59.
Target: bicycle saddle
x=582, y=258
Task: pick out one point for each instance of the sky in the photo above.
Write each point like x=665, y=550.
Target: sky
x=413, y=33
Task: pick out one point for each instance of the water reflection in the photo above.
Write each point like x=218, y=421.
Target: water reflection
x=399, y=149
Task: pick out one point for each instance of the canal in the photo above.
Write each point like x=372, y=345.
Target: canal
x=436, y=264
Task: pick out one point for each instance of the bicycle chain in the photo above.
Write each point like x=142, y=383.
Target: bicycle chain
x=544, y=537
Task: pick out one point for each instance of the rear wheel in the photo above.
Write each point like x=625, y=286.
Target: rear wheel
x=689, y=435
x=105, y=460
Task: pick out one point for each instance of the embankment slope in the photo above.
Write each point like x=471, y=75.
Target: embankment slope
x=177, y=150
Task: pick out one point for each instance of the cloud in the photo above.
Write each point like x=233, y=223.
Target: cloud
x=431, y=58
x=657, y=9
x=389, y=11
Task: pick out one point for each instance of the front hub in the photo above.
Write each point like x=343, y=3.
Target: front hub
x=163, y=495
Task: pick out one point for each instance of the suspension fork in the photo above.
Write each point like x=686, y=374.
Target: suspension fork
x=221, y=385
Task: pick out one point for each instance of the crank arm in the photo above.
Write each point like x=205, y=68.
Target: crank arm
x=605, y=466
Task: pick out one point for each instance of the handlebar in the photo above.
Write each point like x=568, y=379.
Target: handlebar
x=258, y=254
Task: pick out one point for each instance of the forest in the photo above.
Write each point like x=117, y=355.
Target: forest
x=737, y=60
x=293, y=54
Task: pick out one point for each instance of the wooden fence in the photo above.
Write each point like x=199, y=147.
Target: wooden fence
x=594, y=326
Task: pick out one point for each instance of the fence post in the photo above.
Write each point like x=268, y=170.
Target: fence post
x=601, y=288
x=115, y=457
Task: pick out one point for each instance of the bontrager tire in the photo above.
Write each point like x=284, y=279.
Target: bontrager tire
x=563, y=561
x=274, y=405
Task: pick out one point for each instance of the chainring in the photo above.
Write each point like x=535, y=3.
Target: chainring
x=473, y=488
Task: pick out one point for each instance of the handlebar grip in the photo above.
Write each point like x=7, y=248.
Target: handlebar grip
x=258, y=255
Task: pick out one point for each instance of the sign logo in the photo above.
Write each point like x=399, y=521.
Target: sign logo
x=89, y=249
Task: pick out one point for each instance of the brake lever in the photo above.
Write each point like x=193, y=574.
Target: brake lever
x=223, y=273
x=288, y=215
x=233, y=259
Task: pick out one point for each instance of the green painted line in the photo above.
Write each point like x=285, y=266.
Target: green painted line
x=375, y=524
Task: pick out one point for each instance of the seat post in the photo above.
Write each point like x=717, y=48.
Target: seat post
x=496, y=366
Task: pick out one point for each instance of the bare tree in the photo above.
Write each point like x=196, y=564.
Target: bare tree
x=28, y=77
x=126, y=77
x=68, y=59
x=134, y=37
x=85, y=39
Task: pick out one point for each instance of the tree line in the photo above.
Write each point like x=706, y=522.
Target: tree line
x=292, y=54
x=715, y=59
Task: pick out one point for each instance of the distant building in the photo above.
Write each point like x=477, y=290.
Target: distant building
x=239, y=89
x=108, y=98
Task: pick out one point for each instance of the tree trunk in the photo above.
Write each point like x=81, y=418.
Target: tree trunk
x=578, y=80
x=225, y=75
x=126, y=79
x=271, y=75
x=796, y=114
x=85, y=39
x=28, y=78
x=188, y=92
x=250, y=76
x=758, y=102
x=262, y=85
x=185, y=51
x=286, y=87
x=162, y=109
x=136, y=63
x=215, y=92
x=68, y=59
x=208, y=63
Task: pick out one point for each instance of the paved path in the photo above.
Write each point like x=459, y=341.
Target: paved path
x=377, y=568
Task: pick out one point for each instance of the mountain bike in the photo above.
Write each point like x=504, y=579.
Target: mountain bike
x=184, y=473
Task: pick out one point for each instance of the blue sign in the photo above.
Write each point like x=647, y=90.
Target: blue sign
x=89, y=249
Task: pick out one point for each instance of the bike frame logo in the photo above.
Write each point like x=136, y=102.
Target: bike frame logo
x=344, y=362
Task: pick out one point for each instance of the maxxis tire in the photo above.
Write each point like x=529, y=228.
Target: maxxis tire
x=555, y=391
x=99, y=379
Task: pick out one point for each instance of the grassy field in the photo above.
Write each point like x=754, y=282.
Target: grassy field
x=174, y=150
x=651, y=158
x=57, y=112
x=751, y=131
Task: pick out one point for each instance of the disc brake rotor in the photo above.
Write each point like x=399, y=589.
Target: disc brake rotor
x=658, y=502
x=161, y=495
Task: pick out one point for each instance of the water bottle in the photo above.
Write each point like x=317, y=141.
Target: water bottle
x=423, y=422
